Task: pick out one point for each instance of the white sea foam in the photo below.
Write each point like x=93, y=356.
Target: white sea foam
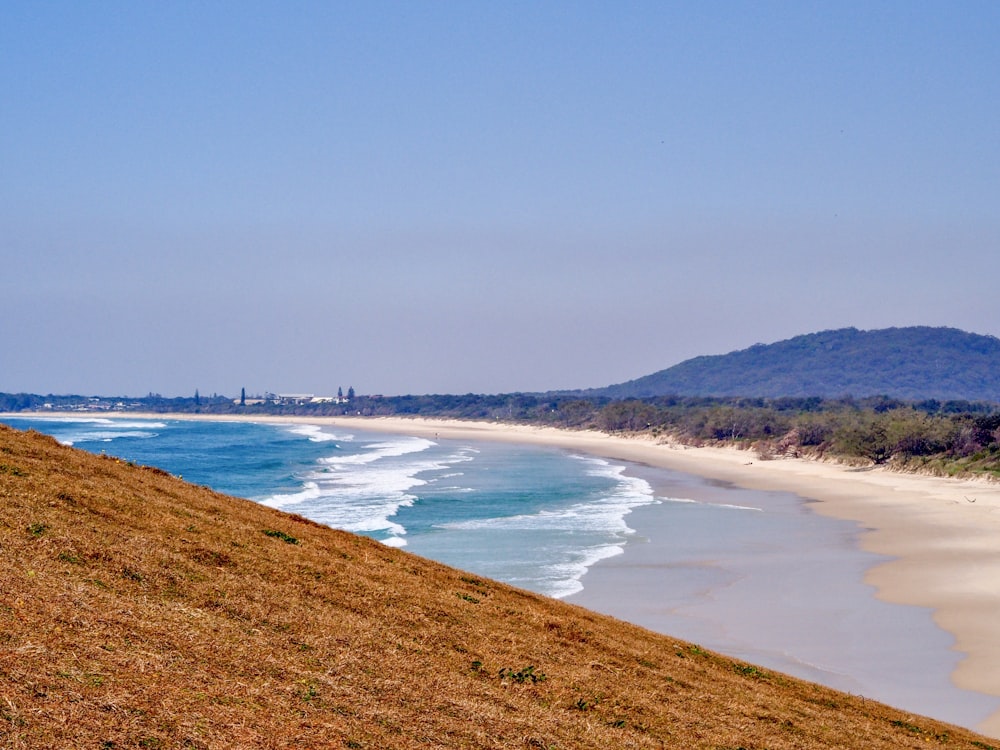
x=105, y=422
x=564, y=579
x=362, y=491
x=309, y=491
x=689, y=501
x=102, y=436
x=579, y=535
x=107, y=435
x=70, y=430
x=123, y=425
x=316, y=434
x=378, y=451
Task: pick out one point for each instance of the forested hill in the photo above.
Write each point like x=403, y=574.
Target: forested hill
x=907, y=363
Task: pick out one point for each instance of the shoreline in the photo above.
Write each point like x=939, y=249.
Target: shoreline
x=939, y=537
x=758, y=575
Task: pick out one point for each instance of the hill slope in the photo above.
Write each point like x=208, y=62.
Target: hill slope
x=908, y=363
x=142, y=612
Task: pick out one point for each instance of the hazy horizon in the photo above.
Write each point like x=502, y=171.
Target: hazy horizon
x=455, y=198
x=341, y=389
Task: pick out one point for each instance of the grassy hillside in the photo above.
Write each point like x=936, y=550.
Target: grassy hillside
x=139, y=611
x=909, y=363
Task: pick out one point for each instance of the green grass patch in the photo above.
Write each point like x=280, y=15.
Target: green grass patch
x=522, y=676
x=276, y=534
x=749, y=670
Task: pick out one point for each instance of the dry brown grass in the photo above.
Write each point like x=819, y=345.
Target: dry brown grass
x=139, y=611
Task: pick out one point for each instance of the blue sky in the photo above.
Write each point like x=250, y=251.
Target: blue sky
x=481, y=197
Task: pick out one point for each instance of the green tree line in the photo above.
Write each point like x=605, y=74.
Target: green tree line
x=951, y=437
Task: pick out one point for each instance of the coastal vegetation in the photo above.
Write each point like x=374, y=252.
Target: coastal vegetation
x=950, y=438
x=947, y=438
x=140, y=611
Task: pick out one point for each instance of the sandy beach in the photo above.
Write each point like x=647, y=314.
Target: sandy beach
x=940, y=537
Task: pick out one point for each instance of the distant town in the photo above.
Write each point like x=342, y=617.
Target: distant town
x=154, y=402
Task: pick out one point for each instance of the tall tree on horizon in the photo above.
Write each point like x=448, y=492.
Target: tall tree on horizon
x=243, y=396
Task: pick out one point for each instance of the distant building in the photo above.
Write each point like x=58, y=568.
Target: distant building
x=294, y=398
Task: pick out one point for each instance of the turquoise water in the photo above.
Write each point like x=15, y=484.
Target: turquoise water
x=525, y=515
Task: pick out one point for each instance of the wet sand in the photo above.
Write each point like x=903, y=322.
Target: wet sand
x=760, y=576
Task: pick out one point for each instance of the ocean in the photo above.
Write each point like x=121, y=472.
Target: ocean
x=533, y=517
